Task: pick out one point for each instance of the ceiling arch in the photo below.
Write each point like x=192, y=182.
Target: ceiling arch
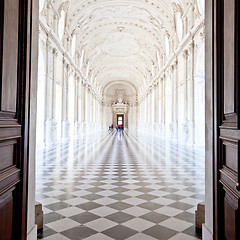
x=121, y=38
x=129, y=84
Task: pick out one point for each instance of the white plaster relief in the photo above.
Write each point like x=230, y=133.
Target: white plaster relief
x=120, y=44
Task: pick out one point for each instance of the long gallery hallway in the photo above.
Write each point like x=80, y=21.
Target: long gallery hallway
x=119, y=186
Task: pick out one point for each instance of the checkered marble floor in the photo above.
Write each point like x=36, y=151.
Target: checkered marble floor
x=119, y=186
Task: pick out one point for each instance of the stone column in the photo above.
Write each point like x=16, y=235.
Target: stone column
x=94, y=110
x=172, y=81
x=163, y=104
x=140, y=121
x=79, y=105
x=76, y=88
x=55, y=54
x=145, y=110
x=160, y=102
x=156, y=104
x=160, y=106
x=168, y=103
x=114, y=119
x=86, y=108
x=54, y=97
x=185, y=123
x=148, y=112
x=175, y=114
x=65, y=123
x=191, y=94
x=48, y=91
x=155, y=100
x=91, y=107
x=83, y=106
x=191, y=79
x=126, y=120
x=153, y=105
x=150, y=107
x=91, y=110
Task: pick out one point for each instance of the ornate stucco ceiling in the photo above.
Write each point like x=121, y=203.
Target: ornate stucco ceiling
x=120, y=38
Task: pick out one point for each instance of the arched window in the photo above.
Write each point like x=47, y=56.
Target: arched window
x=41, y=5
x=201, y=6
x=73, y=47
x=179, y=26
x=61, y=25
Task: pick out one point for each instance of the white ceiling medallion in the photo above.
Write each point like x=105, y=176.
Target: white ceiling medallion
x=120, y=44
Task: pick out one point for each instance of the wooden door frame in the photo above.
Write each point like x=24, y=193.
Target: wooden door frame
x=216, y=121
x=24, y=72
x=216, y=116
x=211, y=115
x=23, y=105
x=218, y=112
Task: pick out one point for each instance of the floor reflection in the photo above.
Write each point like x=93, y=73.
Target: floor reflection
x=121, y=185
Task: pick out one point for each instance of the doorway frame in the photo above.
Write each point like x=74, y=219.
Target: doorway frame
x=209, y=225
x=26, y=75
x=209, y=96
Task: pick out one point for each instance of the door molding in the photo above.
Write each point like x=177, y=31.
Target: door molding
x=15, y=75
x=226, y=131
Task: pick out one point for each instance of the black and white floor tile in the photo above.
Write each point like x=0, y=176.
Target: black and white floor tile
x=119, y=186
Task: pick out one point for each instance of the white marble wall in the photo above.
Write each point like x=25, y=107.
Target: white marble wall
x=173, y=106
x=68, y=105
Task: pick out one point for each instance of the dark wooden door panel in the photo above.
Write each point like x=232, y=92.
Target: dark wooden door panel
x=15, y=25
x=10, y=129
x=6, y=213
x=231, y=226
x=10, y=56
x=227, y=156
x=229, y=60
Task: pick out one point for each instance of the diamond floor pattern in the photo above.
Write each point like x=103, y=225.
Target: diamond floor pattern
x=119, y=186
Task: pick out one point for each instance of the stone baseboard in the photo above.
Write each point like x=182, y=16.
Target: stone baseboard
x=32, y=235
x=206, y=234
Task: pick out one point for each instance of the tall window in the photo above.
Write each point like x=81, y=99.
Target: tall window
x=41, y=5
x=201, y=6
x=61, y=25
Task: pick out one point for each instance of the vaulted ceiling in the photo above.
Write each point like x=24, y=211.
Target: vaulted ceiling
x=120, y=38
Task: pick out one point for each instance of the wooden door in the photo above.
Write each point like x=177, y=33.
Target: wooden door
x=226, y=118
x=14, y=86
